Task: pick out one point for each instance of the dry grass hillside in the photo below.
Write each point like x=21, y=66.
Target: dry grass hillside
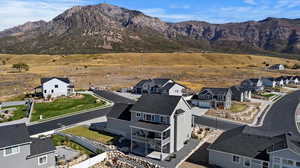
x=194, y=70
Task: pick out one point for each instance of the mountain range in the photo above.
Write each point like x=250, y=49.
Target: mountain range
x=108, y=28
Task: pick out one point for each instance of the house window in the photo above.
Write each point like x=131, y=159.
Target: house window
x=42, y=160
x=287, y=162
x=246, y=162
x=297, y=164
x=56, y=86
x=11, y=151
x=138, y=115
x=236, y=159
x=45, y=91
x=52, y=91
x=148, y=117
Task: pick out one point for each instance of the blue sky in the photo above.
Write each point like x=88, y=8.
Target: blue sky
x=16, y=12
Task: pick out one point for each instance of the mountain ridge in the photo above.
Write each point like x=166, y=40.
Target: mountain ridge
x=108, y=28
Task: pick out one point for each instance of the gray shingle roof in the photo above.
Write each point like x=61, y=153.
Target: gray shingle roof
x=142, y=82
x=160, y=81
x=150, y=126
x=40, y=146
x=251, y=142
x=44, y=80
x=120, y=111
x=13, y=135
x=157, y=104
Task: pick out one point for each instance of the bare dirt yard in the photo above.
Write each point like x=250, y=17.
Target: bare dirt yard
x=117, y=70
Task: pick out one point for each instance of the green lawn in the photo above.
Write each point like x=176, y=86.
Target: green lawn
x=18, y=114
x=58, y=140
x=237, y=107
x=268, y=95
x=105, y=138
x=64, y=106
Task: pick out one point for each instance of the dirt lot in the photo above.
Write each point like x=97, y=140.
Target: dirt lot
x=123, y=70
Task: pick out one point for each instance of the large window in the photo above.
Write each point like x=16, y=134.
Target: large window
x=11, y=151
x=235, y=159
x=287, y=162
x=56, y=86
x=42, y=160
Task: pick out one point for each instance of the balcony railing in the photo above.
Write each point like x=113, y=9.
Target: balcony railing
x=151, y=140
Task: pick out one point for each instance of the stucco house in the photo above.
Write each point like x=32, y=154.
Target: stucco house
x=241, y=94
x=17, y=149
x=246, y=147
x=55, y=87
x=253, y=84
x=213, y=98
x=159, y=86
x=279, y=67
x=152, y=124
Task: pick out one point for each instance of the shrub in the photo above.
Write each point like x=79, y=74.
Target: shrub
x=21, y=66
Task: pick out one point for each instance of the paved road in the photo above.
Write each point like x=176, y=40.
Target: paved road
x=215, y=123
x=281, y=116
x=78, y=118
x=66, y=121
x=113, y=97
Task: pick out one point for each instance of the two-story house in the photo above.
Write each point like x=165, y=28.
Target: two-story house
x=156, y=125
x=241, y=94
x=213, y=98
x=246, y=147
x=159, y=86
x=56, y=87
x=17, y=149
x=253, y=84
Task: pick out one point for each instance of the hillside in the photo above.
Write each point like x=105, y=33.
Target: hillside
x=107, y=28
x=116, y=70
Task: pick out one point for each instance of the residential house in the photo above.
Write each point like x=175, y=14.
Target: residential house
x=246, y=147
x=253, y=84
x=293, y=79
x=173, y=89
x=279, y=67
x=119, y=120
x=159, y=86
x=270, y=82
x=160, y=125
x=213, y=98
x=17, y=149
x=56, y=87
x=240, y=94
x=281, y=81
x=152, y=124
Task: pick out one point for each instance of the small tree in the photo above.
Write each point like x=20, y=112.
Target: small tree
x=21, y=66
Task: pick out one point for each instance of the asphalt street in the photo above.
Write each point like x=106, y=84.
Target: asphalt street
x=78, y=118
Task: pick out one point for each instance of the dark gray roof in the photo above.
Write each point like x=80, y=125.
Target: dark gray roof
x=44, y=80
x=150, y=126
x=255, y=141
x=40, y=146
x=160, y=81
x=142, y=82
x=120, y=111
x=13, y=135
x=168, y=86
x=157, y=104
x=216, y=91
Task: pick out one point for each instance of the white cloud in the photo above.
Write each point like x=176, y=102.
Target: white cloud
x=16, y=12
x=173, y=6
x=250, y=2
